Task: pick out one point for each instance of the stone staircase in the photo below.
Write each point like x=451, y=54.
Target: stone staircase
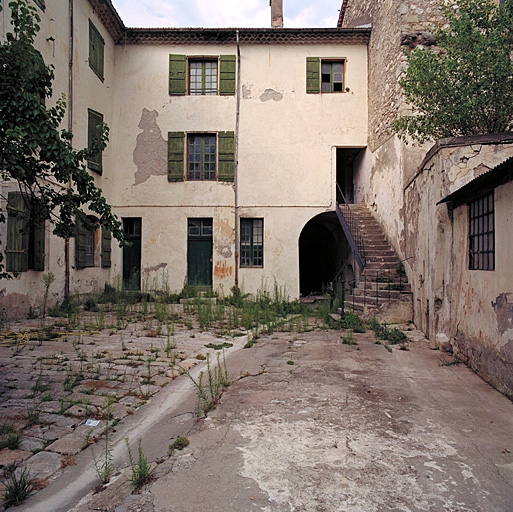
x=382, y=290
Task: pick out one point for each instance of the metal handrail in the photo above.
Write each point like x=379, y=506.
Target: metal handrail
x=350, y=226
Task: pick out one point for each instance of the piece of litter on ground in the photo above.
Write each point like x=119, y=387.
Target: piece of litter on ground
x=91, y=423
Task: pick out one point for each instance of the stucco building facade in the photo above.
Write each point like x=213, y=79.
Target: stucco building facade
x=224, y=144
x=226, y=148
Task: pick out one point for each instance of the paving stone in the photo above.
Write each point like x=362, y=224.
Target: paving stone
x=44, y=464
x=70, y=444
x=8, y=456
x=31, y=444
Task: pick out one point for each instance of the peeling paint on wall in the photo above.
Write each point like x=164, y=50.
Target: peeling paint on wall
x=246, y=92
x=224, y=250
x=225, y=234
x=222, y=270
x=156, y=268
x=271, y=94
x=504, y=312
x=150, y=153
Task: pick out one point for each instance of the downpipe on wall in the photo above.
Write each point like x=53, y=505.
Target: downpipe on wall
x=236, y=164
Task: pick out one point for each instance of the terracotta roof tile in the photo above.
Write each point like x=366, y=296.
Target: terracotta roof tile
x=219, y=36
x=222, y=36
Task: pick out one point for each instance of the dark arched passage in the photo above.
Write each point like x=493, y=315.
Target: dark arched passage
x=322, y=250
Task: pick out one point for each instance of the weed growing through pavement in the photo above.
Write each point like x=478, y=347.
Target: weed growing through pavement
x=209, y=392
x=142, y=470
x=391, y=335
x=18, y=487
x=48, y=279
x=348, y=339
x=103, y=464
x=179, y=444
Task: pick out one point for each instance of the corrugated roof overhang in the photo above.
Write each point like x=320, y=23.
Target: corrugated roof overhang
x=503, y=173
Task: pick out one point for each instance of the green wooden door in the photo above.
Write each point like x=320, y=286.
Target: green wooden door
x=132, y=254
x=199, y=252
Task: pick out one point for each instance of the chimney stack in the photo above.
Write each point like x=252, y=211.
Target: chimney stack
x=276, y=13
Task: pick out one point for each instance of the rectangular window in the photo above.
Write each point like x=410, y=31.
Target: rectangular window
x=202, y=77
x=205, y=75
x=200, y=227
x=332, y=76
x=201, y=159
x=482, y=233
x=41, y=4
x=96, y=49
x=324, y=75
x=25, y=248
x=94, y=129
x=252, y=242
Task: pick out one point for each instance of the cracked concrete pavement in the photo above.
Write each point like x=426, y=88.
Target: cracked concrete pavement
x=313, y=424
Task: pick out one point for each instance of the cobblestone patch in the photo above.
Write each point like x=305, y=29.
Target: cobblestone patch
x=56, y=378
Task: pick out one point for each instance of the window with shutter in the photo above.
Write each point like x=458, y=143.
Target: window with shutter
x=41, y=4
x=94, y=129
x=203, y=75
x=227, y=75
x=25, y=235
x=96, y=50
x=177, y=68
x=226, y=156
x=175, y=156
x=313, y=67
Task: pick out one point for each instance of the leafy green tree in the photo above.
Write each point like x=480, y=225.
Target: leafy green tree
x=464, y=84
x=34, y=151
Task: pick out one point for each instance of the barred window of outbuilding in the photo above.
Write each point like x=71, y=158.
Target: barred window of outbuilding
x=482, y=233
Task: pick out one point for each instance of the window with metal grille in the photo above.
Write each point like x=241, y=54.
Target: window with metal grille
x=201, y=164
x=252, y=242
x=482, y=233
x=332, y=76
x=202, y=77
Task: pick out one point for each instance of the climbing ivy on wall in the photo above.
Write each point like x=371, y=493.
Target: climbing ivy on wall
x=34, y=151
x=464, y=84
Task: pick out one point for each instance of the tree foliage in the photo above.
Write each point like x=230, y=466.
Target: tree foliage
x=464, y=85
x=34, y=151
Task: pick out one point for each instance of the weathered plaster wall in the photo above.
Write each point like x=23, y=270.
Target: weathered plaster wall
x=388, y=163
x=26, y=290
x=470, y=310
x=286, y=166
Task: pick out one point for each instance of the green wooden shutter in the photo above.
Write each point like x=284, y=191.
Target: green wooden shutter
x=177, y=67
x=175, y=156
x=106, y=244
x=80, y=244
x=313, y=67
x=96, y=50
x=226, y=156
x=227, y=74
x=94, y=127
x=17, y=233
x=38, y=254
